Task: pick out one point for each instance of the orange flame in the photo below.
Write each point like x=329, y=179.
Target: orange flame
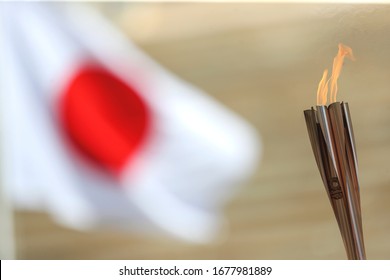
x=322, y=92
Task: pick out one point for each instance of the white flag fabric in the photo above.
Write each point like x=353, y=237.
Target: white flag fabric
x=99, y=135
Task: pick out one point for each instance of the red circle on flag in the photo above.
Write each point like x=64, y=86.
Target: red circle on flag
x=104, y=117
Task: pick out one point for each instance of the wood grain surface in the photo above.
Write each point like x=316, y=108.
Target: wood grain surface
x=263, y=61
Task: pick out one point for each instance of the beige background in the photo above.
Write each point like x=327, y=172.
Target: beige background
x=264, y=62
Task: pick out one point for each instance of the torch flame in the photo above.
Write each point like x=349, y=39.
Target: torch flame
x=322, y=92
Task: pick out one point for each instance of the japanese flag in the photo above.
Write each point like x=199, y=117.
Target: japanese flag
x=98, y=134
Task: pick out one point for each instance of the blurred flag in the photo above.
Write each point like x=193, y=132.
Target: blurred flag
x=98, y=134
